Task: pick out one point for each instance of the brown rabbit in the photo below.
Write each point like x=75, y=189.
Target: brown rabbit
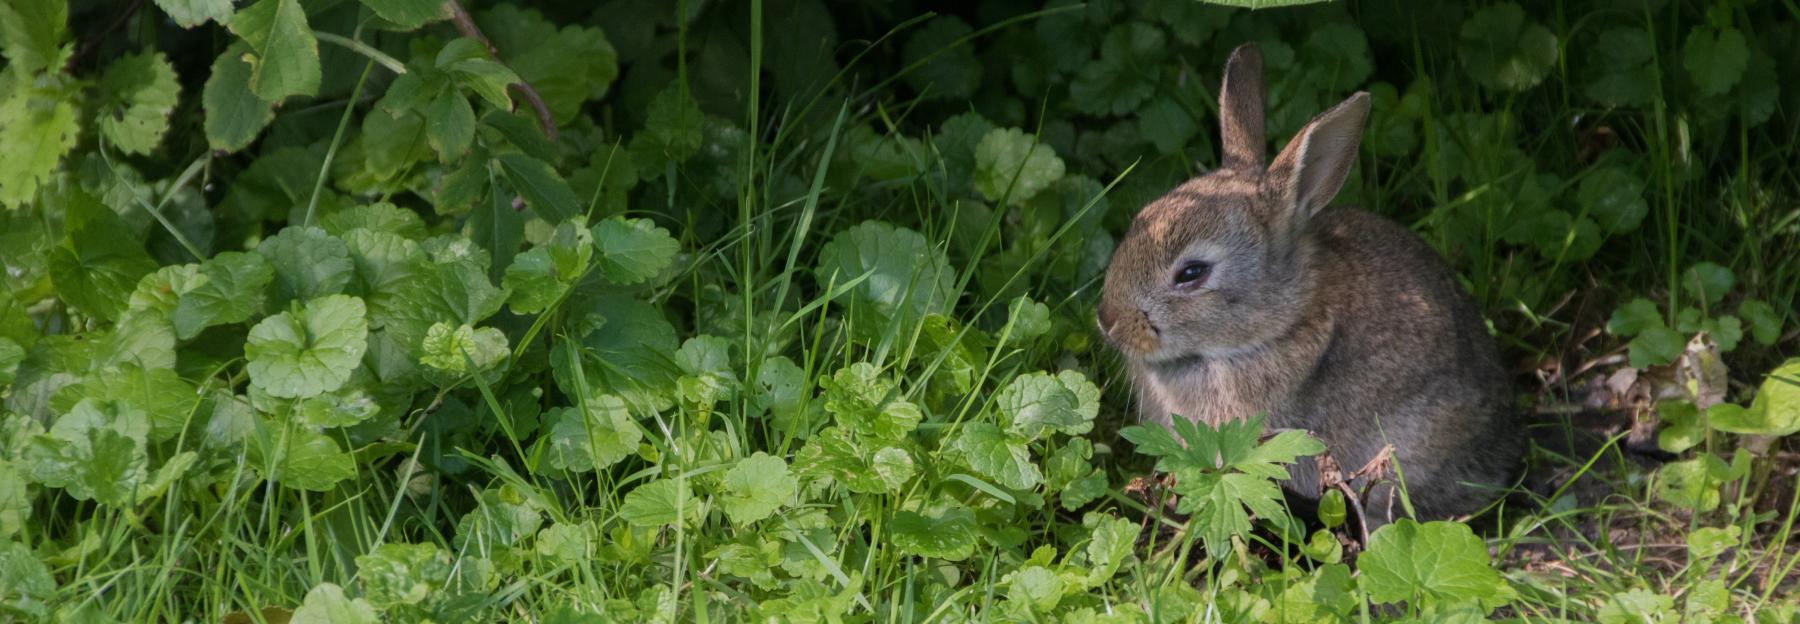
x=1240, y=292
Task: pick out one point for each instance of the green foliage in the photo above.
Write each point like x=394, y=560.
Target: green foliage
x=1223, y=473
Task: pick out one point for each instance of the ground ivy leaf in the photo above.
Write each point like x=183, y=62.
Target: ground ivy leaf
x=94, y=452
x=25, y=580
x=1037, y=401
x=138, y=93
x=949, y=536
x=908, y=276
x=408, y=14
x=591, y=436
x=1708, y=281
x=308, y=352
x=311, y=461
x=1504, y=50
x=996, y=454
x=344, y=408
x=308, y=264
x=661, y=502
x=532, y=282
x=403, y=574
x=1614, y=197
x=1655, y=346
x=1765, y=322
x=327, y=604
x=1109, y=547
x=860, y=399
x=1437, y=563
x=1008, y=153
x=672, y=129
x=1715, y=58
x=1029, y=319
x=234, y=115
x=942, y=72
x=191, y=13
x=232, y=291
x=99, y=262
x=450, y=348
x=1634, y=317
x=377, y=217
x=632, y=250
x=756, y=487
x=160, y=393
x=285, y=59
x=1621, y=69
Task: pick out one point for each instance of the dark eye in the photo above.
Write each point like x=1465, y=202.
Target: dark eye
x=1192, y=274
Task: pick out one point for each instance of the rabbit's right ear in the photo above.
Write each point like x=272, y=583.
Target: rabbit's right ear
x=1313, y=166
x=1241, y=110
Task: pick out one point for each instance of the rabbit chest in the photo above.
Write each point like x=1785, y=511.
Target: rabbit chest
x=1266, y=379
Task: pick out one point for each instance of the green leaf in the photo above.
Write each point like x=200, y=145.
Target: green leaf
x=308, y=264
x=908, y=276
x=139, y=91
x=1715, y=58
x=37, y=127
x=376, y=217
x=99, y=262
x=310, y=351
x=1436, y=563
x=632, y=250
x=1656, y=346
x=450, y=126
x=1706, y=542
x=1635, y=606
x=451, y=348
x=1774, y=412
x=1119, y=81
x=672, y=131
x=1689, y=484
x=1707, y=282
x=1109, y=547
x=594, y=435
x=567, y=544
x=1765, y=322
x=756, y=487
x=1681, y=425
x=661, y=502
x=1012, y=165
x=1034, y=588
x=409, y=14
x=707, y=374
x=1029, y=319
x=285, y=55
x=347, y=407
x=864, y=402
x=327, y=604
x=539, y=276
x=231, y=290
x=1621, y=68
x=34, y=35
x=943, y=72
x=234, y=115
x=1634, y=318
x=543, y=189
x=191, y=13
x=837, y=454
x=567, y=66
x=95, y=451
x=307, y=460
x=403, y=574
x=467, y=61
x=632, y=355
x=1036, y=402
x=950, y=535
x=995, y=454
x=25, y=581
x=1503, y=50
x=166, y=400
x=1614, y=197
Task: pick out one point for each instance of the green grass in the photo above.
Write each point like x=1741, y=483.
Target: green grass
x=459, y=506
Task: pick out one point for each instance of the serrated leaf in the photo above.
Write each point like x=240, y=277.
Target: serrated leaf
x=308, y=264
x=1014, y=166
x=598, y=433
x=1621, y=68
x=659, y=503
x=543, y=189
x=1437, y=563
x=942, y=72
x=139, y=93
x=950, y=535
x=34, y=35
x=1655, y=346
x=996, y=454
x=233, y=290
x=1109, y=547
x=99, y=263
x=377, y=217
x=451, y=348
x=756, y=487
x=908, y=277
x=1707, y=281
x=308, y=352
x=1614, y=197
x=632, y=250
x=403, y=574
x=234, y=115
x=1765, y=322
x=94, y=452
x=37, y=128
x=863, y=401
x=1634, y=317
x=285, y=59
x=191, y=13
x=1036, y=402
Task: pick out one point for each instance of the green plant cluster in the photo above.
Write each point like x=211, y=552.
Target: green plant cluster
x=411, y=310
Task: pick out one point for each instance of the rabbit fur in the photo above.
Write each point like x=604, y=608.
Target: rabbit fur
x=1241, y=293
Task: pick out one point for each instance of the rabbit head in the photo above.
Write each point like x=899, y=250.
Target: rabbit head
x=1220, y=264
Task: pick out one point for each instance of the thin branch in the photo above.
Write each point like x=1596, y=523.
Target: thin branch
x=465, y=24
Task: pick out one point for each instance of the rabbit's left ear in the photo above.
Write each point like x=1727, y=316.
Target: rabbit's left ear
x=1312, y=168
x=1241, y=110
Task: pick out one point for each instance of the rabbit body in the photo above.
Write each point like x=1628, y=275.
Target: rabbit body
x=1240, y=293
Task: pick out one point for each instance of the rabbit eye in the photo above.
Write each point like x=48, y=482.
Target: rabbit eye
x=1192, y=273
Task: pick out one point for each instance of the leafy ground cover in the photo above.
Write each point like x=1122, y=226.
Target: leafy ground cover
x=398, y=310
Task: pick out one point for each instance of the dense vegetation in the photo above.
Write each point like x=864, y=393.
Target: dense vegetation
x=397, y=310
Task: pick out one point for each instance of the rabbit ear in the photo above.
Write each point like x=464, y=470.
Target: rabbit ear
x=1241, y=109
x=1312, y=168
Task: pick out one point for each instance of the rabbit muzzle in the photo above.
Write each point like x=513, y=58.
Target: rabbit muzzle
x=1129, y=330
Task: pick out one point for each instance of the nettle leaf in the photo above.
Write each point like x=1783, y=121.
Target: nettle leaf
x=1503, y=50
x=308, y=263
x=451, y=348
x=234, y=114
x=1436, y=563
x=999, y=455
x=865, y=402
x=595, y=434
x=308, y=352
x=232, y=290
x=632, y=250
x=191, y=13
x=660, y=503
x=326, y=603
x=1715, y=58
x=409, y=14
x=1614, y=197
x=1036, y=402
x=285, y=54
x=138, y=92
x=1014, y=166
x=756, y=487
x=950, y=535
x=943, y=72
x=1707, y=281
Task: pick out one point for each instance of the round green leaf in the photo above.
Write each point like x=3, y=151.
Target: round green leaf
x=308, y=352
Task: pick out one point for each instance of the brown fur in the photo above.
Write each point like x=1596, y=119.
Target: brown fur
x=1331, y=320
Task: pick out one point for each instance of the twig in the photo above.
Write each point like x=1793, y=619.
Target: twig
x=93, y=43
x=465, y=24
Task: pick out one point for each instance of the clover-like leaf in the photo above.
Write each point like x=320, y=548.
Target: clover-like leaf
x=310, y=351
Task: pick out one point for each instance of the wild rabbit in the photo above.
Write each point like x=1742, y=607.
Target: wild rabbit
x=1240, y=292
